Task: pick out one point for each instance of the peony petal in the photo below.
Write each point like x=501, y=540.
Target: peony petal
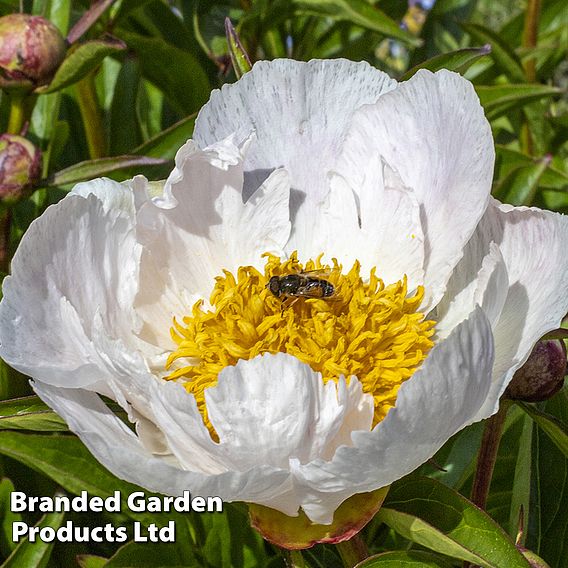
x=442, y=397
x=299, y=112
x=533, y=244
x=118, y=448
x=91, y=234
x=431, y=132
x=274, y=408
x=201, y=226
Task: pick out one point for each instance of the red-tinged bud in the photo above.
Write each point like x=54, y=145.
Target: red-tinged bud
x=20, y=167
x=542, y=375
x=31, y=50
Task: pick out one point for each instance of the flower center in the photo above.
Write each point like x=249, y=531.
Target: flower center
x=337, y=323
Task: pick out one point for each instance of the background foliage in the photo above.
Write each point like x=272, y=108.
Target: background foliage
x=126, y=99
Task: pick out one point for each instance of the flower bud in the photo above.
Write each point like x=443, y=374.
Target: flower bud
x=20, y=167
x=542, y=375
x=31, y=50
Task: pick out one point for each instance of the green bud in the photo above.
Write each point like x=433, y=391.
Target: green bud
x=542, y=375
x=31, y=50
x=20, y=167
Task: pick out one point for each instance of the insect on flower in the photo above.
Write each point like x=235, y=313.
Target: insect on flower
x=300, y=285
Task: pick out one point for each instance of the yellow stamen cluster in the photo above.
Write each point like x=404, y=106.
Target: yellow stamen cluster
x=364, y=329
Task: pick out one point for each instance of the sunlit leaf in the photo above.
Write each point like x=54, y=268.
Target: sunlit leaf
x=510, y=96
x=168, y=142
x=458, y=61
x=502, y=54
x=81, y=60
x=29, y=413
x=357, y=12
x=520, y=186
x=433, y=515
x=7, y=518
x=103, y=166
x=404, y=559
x=35, y=554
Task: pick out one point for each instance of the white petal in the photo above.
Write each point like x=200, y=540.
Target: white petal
x=442, y=397
x=118, y=449
x=200, y=227
x=299, y=112
x=533, y=244
x=432, y=133
x=274, y=408
x=480, y=278
x=75, y=269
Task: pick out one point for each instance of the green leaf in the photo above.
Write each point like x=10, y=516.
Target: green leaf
x=548, y=525
x=167, y=143
x=433, y=515
x=508, y=160
x=459, y=61
x=505, y=58
x=103, y=166
x=175, y=71
x=500, y=99
x=404, y=559
x=7, y=517
x=521, y=185
x=66, y=460
x=150, y=555
x=357, y=12
x=554, y=428
x=90, y=561
x=35, y=554
x=124, y=131
x=80, y=61
x=29, y=413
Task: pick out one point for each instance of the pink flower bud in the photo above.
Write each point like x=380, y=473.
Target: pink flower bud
x=31, y=50
x=20, y=167
x=542, y=375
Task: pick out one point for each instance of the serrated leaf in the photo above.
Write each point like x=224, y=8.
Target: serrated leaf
x=506, y=59
x=80, y=61
x=404, y=559
x=35, y=554
x=357, y=12
x=29, y=413
x=427, y=512
x=167, y=143
x=458, y=61
x=7, y=518
x=554, y=428
x=100, y=167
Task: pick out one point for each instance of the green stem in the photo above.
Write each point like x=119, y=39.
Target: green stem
x=294, y=559
x=17, y=113
x=92, y=117
x=487, y=457
x=530, y=37
x=353, y=551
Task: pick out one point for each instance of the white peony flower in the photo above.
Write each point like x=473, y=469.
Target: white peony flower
x=161, y=303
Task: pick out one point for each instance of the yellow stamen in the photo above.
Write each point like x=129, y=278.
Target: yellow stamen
x=364, y=329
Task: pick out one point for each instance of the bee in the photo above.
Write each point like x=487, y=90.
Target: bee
x=300, y=285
